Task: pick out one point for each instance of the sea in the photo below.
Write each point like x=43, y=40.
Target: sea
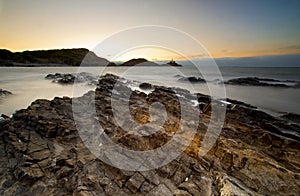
x=28, y=84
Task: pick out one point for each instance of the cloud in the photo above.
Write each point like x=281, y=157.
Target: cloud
x=198, y=56
x=225, y=50
x=290, y=47
x=289, y=60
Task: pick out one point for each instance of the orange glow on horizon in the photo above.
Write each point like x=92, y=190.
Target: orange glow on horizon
x=165, y=56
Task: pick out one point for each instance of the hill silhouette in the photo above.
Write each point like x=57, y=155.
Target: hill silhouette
x=56, y=57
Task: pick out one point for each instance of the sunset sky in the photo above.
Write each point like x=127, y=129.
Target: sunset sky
x=229, y=28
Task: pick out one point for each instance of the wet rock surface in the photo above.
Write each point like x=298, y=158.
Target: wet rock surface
x=295, y=118
x=4, y=93
x=145, y=86
x=70, y=78
x=42, y=153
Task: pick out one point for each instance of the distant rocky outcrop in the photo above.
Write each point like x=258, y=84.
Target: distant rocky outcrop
x=111, y=64
x=57, y=57
x=191, y=79
x=173, y=63
x=4, y=93
x=255, y=81
x=41, y=152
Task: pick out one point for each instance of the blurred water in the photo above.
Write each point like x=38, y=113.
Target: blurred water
x=28, y=84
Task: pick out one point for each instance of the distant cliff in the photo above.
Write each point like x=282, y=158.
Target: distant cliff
x=57, y=57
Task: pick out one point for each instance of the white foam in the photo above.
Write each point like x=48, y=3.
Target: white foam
x=225, y=102
x=195, y=102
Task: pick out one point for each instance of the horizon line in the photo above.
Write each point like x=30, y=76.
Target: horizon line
x=158, y=60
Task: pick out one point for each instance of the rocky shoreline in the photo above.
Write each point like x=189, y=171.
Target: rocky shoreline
x=42, y=153
x=246, y=81
x=70, y=78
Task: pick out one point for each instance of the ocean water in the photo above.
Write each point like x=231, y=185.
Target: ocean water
x=28, y=84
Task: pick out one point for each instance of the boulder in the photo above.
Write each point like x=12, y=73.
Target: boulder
x=145, y=86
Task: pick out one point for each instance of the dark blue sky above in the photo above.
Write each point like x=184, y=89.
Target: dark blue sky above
x=227, y=28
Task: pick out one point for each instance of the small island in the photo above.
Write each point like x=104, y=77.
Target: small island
x=145, y=62
x=173, y=63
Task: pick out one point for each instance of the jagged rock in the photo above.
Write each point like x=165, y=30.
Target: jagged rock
x=151, y=177
x=161, y=189
x=190, y=187
x=181, y=193
x=54, y=76
x=135, y=182
x=4, y=117
x=146, y=187
x=42, y=153
x=292, y=117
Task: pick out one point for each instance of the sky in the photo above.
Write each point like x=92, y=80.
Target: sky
x=225, y=28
